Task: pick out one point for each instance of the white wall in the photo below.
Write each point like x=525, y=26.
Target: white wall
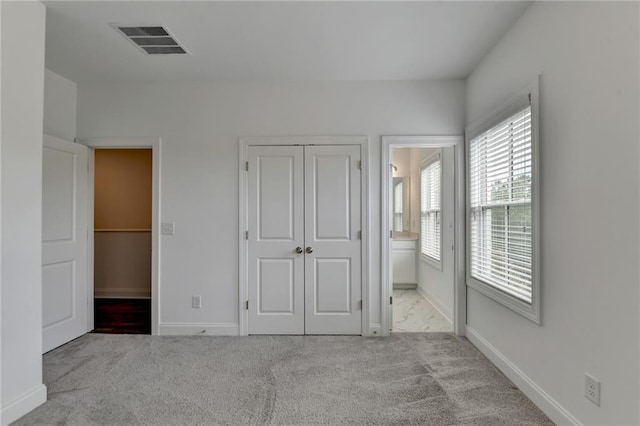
x=60, y=97
x=200, y=124
x=588, y=57
x=23, y=26
x=436, y=284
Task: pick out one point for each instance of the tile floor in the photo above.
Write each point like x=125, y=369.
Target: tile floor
x=414, y=313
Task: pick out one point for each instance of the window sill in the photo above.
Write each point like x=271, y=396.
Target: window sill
x=436, y=264
x=530, y=312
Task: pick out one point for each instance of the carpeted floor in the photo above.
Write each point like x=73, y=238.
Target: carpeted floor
x=413, y=378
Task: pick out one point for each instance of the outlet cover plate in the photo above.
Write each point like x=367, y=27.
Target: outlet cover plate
x=168, y=228
x=196, y=302
x=592, y=388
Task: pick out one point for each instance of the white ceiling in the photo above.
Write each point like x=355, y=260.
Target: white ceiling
x=277, y=40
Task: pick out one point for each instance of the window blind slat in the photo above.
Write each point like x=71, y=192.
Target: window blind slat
x=430, y=191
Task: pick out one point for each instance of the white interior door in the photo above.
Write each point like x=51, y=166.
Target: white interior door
x=64, y=242
x=332, y=237
x=276, y=214
x=304, y=262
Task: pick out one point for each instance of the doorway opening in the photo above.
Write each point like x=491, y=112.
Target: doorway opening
x=422, y=256
x=421, y=243
x=123, y=204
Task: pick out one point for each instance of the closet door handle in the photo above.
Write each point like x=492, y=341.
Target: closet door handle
x=309, y=250
x=299, y=250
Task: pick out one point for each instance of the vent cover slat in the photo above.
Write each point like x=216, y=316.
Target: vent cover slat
x=144, y=31
x=163, y=50
x=154, y=41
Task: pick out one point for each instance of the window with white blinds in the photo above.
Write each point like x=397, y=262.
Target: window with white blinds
x=430, y=208
x=500, y=190
x=397, y=207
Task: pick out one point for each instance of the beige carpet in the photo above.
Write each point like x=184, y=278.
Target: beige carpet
x=413, y=378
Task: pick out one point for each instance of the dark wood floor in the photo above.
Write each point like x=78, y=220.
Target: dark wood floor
x=122, y=316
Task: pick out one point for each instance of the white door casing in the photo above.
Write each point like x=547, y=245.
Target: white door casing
x=276, y=212
x=64, y=242
x=304, y=246
x=459, y=280
x=332, y=235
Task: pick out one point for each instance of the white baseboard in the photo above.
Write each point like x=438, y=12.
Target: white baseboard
x=200, y=329
x=535, y=393
x=23, y=404
x=440, y=307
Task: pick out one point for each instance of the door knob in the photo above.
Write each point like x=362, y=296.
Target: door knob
x=299, y=250
x=309, y=250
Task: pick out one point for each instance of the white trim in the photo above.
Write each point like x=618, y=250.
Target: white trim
x=91, y=157
x=535, y=393
x=198, y=329
x=514, y=104
x=440, y=307
x=244, y=143
x=131, y=143
x=23, y=404
x=375, y=329
x=460, y=290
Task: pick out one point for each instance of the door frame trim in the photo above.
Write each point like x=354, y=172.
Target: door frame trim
x=129, y=143
x=459, y=289
x=243, y=246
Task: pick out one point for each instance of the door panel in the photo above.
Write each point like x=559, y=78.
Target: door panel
x=58, y=292
x=332, y=286
x=276, y=212
x=64, y=242
x=276, y=199
x=332, y=225
x=276, y=286
x=332, y=206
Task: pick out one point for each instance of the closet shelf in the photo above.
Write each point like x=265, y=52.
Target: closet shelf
x=122, y=230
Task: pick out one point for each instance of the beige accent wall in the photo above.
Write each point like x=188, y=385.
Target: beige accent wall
x=122, y=265
x=123, y=189
x=123, y=184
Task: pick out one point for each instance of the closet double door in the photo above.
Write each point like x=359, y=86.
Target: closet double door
x=304, y=258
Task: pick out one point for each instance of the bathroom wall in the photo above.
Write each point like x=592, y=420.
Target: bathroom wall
x=436, y=284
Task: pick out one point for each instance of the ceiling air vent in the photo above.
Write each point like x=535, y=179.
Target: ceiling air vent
x=153, y=40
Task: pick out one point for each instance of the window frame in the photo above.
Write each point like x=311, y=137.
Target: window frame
x=395, y=205
x=528, y=96
x=426, y=162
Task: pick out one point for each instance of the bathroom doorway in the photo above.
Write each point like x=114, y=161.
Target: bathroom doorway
x=421, y=217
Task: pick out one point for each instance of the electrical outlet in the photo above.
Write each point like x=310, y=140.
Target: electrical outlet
x=168, y=228
x=196, y=302
x=592, y=389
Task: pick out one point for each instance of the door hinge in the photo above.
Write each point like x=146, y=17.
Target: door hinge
x=246, y=235
x=391, y=300
x=359, y=165
x=359, y=235
x=360, y=305
x=390, y=233
x=246, y=165
x=246, y=305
